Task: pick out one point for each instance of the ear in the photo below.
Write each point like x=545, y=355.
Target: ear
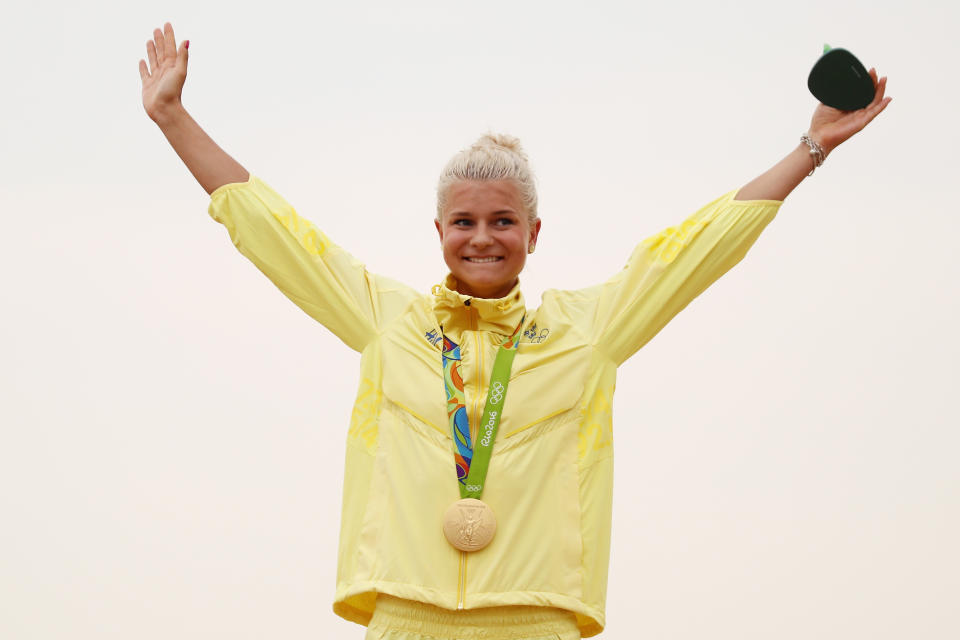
x=534, y=232
x=436, y=223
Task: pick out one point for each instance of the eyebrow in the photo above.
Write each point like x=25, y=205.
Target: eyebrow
x=495, y=213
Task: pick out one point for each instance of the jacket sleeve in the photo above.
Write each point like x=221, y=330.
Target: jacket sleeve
x=668, y=270
x=325, y=281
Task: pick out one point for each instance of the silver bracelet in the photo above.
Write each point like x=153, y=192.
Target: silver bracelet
x=816, y=152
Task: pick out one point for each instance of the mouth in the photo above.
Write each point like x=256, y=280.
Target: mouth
x=484, y=260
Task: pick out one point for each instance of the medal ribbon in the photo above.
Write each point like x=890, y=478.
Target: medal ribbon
x=472, y=462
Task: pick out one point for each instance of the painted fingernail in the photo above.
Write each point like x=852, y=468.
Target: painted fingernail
x=186, y=45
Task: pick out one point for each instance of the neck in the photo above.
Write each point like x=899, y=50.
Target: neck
x=480, y=292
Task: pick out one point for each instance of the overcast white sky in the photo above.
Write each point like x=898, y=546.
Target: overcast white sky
x=173, y=427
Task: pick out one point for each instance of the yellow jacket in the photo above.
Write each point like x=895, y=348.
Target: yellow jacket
x=550, y=479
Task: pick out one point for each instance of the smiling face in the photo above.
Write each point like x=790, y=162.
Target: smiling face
x=485, y=233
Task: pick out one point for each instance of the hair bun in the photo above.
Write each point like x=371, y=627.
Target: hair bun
x=502, y=140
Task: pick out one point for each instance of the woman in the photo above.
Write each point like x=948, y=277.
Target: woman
x=429, y=548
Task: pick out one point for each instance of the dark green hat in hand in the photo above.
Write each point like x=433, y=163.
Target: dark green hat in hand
x=840, y=81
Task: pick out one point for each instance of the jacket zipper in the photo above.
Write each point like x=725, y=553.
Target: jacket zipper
x=462, y=578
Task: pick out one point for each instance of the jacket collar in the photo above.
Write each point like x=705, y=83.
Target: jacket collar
x=456, y=312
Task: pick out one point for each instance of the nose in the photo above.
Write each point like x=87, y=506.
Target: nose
x=481, y=236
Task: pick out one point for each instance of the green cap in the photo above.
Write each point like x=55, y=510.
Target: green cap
x=826, y=47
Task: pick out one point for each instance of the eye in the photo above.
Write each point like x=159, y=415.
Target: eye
x=503, y=222
x=462, y=222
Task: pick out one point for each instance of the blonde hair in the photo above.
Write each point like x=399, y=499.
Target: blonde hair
x=495, y=156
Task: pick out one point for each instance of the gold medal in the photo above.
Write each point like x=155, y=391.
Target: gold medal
x=469, y=524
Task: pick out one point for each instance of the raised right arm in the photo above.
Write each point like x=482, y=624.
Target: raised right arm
x=318, y=276
x=162, y=89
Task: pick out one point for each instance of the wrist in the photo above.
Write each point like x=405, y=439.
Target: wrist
x=167, y=113
x=815, y=151
x=822, y=140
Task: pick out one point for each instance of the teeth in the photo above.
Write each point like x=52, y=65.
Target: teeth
x=481, y=259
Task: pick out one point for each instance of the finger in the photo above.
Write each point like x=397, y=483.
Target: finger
x=158, y=42
x=152, y=56
x=144, y=74
x=880, y=107
x=881, y=89
x=876, y=109
x=170, y=50
x=878, y=94
x=183, y=56
x=874, y=112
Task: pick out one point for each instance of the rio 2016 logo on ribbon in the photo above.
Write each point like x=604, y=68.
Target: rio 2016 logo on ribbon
x=496, y=393
x=488, y=430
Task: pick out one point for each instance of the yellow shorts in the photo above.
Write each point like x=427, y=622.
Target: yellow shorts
x=399, y=619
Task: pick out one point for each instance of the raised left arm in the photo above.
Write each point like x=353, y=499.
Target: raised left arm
x=829, y=127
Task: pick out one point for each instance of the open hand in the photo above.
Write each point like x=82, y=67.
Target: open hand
x=163, y=83
x=830, y=126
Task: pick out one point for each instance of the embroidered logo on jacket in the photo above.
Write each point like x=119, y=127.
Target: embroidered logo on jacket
x=433, y=337
x=532, y=335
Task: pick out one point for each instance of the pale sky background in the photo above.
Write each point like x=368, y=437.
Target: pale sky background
x=173, y=427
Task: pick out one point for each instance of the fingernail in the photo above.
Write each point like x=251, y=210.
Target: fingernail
x=186, y=45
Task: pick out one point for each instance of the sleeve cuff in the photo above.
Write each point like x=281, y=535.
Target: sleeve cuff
x=733, y=196
x=232, y=185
